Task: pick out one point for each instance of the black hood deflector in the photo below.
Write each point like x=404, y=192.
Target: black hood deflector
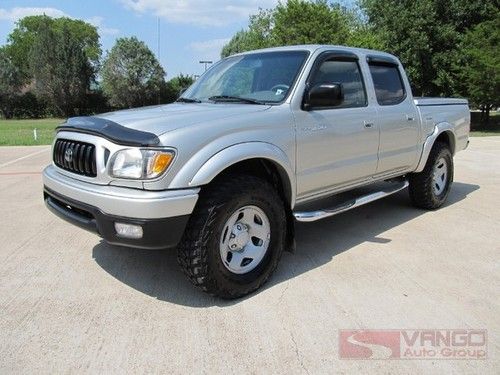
x=110, y=130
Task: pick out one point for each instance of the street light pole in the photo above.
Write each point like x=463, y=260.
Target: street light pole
x=207, y=63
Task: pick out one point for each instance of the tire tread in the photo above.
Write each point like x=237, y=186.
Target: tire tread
x=192, y=252
x=420, y=189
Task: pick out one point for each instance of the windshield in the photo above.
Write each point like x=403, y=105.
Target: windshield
x=255, y=78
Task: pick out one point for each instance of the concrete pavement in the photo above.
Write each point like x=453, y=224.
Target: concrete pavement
x=71, y=303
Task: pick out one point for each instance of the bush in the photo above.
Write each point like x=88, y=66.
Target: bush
x=28, y=106
x=96, y=103
x=479, y=122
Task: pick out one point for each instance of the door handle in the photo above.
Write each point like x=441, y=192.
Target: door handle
x=410, y=118
x=368, y=124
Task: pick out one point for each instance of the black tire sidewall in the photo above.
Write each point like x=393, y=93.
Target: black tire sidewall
x=421, y=189
x=262, y=195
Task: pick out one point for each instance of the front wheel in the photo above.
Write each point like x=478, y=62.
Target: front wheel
x=430, y=188
x=235, y=236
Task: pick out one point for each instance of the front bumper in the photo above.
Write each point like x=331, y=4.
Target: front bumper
x=163, y=215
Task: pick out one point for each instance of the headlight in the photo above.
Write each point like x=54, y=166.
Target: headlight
x=140, y=164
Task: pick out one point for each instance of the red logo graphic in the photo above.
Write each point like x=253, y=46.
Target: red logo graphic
x=413, y=344
x=370, y=344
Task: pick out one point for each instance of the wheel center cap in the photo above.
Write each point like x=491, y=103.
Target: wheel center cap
x=239, y=237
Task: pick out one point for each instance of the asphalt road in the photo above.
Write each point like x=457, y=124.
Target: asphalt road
x=69, y=303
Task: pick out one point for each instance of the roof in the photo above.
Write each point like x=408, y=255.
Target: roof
x=314, y=47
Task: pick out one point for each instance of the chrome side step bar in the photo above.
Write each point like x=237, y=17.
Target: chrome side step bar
x=308, y=216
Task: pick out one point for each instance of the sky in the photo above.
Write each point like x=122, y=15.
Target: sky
x=190, y=30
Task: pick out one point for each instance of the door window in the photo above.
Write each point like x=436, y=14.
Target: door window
x=348, y=74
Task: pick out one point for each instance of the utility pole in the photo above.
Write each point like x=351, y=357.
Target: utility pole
x=159, y=56
x=159, y=39
x=207, y=63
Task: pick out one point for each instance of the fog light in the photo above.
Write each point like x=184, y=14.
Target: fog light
x=128, y=230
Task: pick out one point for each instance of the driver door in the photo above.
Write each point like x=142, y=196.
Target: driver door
x=336, y=146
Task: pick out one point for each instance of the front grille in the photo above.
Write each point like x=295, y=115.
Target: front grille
x=76, y=157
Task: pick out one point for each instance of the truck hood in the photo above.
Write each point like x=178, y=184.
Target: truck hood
x=164, y=118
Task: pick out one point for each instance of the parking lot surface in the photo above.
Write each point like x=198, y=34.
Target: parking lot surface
x=70, y=303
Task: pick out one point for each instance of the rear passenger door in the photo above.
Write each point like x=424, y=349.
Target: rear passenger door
x=397, y=116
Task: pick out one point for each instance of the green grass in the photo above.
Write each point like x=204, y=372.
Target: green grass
x=485, y=133
x=20, y=132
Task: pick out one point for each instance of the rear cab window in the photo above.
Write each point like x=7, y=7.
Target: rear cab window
x=387, y=80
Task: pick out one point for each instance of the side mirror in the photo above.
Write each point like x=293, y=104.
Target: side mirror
x=324, y=95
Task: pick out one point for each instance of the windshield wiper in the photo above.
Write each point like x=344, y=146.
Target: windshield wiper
x=229, y=98
x=188, y=100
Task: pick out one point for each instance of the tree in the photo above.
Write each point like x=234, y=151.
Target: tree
x=173, y=88
x=257, y=36
x=60, y=68
x=361, y=33
x=21, y=40
x=425, y=35
x=303, y=22
x=131, y=74
x=306, y=22
x=479, y=68
x=58, y=58
x=243, y=40
x=10, y=83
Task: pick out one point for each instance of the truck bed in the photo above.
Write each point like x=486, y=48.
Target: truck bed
x=454, y=111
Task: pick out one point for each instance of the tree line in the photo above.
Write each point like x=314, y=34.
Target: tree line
x=53, y=67
x=448, y=47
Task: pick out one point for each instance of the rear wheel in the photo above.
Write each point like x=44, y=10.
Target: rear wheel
x=430, y=188
x=235, y=236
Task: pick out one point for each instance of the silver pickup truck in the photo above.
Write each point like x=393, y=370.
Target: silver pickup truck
x=261, y=140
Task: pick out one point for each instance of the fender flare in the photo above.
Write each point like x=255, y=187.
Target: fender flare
x=442, y=127
x=231, y=155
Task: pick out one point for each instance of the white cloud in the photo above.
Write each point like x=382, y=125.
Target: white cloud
x=15, y=14
x=98, y=22
x=213, y=45
x=200, y=12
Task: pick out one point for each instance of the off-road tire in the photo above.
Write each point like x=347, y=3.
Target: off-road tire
x=198, y=253
x=421, y=188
